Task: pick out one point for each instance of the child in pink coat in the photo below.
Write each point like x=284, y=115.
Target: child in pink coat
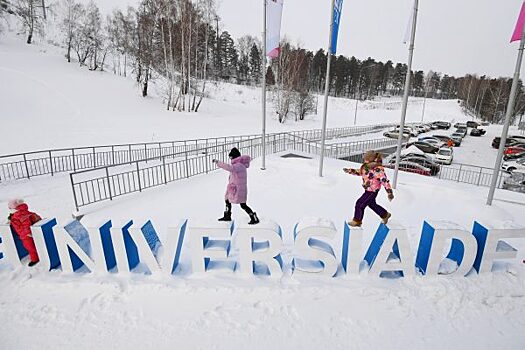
x=237, y=190
x=374, y=178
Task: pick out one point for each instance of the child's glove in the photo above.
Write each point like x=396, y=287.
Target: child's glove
x=390, y=196
x=349, y=170
x=9, y=217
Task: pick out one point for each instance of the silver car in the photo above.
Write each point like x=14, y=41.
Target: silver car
x=516, y=182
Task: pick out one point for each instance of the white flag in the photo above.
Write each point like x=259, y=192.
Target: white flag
x=274, y=14
x=408, y=31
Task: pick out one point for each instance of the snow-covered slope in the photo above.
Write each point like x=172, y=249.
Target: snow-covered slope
x=228, y=311
x=61, y=105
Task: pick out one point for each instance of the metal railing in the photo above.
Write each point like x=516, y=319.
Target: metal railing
x=52, y=161
x=109, y=182
x=470, y=174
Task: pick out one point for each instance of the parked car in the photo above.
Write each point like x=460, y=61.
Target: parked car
x=445, y=155
x=433, y=141
x=516, y=182
x=442, y=125
x=458, y=135
x=457, y=140
x=460, y=125
x=411, y=131
x=477, y=132
x=472, y=124
x=425, y=147
x=427, y=163
x=421, y=129
x=485, y=123
x=514, y=165
x=412, y=168
x=412, y=155
x=511, y=141
x=394, y=134
x=514, y=156
x=462, y=131
x=518, y=148
x=444, y=138
x=426, y=126
x=420, y=159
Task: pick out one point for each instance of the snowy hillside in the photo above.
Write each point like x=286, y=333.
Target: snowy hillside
x=68, y=106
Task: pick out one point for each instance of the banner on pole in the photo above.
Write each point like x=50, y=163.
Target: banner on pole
x=274, y=14
x=408, y=30
x=518, y=30
x=338, y=8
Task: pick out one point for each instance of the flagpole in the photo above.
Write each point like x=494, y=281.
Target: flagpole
x=425, y=101
x=326, y=89
x=510, y=109
x=263, y=79
x=405, y=97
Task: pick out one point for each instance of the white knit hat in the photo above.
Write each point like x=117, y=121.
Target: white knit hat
x=13, y=203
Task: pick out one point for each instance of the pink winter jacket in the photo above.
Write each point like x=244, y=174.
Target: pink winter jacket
x=237, y=190
x=374, y=177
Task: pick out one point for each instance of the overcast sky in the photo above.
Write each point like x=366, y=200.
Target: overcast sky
x=454, y=36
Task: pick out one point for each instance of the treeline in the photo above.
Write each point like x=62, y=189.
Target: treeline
x=179, y=44
x=487, y=98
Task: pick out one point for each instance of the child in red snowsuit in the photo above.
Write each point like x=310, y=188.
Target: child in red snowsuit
x=374, y=178
x=21, y=221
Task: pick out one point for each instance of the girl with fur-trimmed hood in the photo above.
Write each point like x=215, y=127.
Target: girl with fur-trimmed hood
x=237, y=190
x=374, y=178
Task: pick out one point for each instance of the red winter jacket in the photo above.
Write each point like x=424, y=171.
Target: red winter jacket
x=22, y=219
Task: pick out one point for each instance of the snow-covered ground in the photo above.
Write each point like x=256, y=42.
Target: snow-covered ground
x=229, y=311
x=47, y=103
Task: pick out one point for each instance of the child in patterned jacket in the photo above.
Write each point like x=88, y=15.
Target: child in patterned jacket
x=374, y=177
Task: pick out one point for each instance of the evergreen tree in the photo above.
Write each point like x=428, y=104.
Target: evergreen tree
x=255, y=63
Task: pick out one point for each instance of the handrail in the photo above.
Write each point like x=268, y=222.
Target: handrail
x=51, y=161
x=117, y=180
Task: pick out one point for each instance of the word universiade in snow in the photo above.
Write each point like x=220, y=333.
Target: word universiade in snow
x=318, y=248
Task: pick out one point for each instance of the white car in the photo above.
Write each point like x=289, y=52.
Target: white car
x=433, y=141
x=445, y=155
x=421, y=129
x=409, y=130
x=514, y=166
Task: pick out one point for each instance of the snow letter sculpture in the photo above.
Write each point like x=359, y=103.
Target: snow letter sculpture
x=390, y=252
x=260, y=249
x=492, y=247
x=129, y=248
x=210, y=246
x=11, y=248
x=463, y=249
x=312, y=254
x=353, y=241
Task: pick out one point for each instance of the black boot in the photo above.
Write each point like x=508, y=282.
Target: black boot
x=33, y=263
x=253, y=219
x=227, y=216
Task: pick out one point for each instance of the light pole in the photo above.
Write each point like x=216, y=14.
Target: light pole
x=359, y=88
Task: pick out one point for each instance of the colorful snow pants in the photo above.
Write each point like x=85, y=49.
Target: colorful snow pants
x=368, y=199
